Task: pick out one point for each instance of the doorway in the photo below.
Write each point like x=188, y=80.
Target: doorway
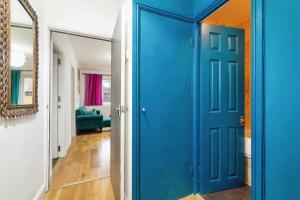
x=84, y=153
x=92, y=152
x=225, y=131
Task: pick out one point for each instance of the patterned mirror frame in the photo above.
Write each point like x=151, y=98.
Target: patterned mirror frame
x=7, y=110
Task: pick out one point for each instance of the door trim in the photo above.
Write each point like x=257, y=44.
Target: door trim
x=258, y=101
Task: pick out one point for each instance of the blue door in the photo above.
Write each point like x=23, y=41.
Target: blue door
x=164, y=68
x=222, y=108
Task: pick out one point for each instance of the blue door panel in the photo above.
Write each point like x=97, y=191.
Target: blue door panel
x=222, y=105
x=164, y=66
x=179, y=7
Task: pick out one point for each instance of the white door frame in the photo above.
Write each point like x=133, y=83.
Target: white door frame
x=50, y=62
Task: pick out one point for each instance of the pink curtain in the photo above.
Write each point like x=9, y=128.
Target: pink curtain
x=93, y=90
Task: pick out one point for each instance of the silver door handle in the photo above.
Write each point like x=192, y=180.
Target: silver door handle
x=144, y=110
x=118, y=109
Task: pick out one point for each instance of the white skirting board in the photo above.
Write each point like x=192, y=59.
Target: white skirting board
x=40, y=194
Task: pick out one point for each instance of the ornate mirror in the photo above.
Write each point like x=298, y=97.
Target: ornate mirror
x=19, y=59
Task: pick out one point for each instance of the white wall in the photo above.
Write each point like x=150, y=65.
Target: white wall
x=69, y=61
x=23, y=141
x=96, y=17
x=70, y=15
x=106, y=108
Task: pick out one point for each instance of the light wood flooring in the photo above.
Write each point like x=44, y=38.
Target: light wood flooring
x=242, y=193
x=83, y=174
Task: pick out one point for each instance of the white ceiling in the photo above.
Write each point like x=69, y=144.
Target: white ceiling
x=92, y=54
x=95, y=17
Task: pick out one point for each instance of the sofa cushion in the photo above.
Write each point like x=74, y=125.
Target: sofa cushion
x=89, y=112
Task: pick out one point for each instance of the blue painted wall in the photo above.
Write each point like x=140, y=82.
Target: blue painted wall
x=200, y=5
x=187, y=8
x=179, y=7
x=282, y=99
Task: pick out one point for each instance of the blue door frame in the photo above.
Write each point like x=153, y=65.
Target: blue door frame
x=258, y=98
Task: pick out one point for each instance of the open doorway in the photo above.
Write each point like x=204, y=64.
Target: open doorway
x=226, y=102
x=80, y=116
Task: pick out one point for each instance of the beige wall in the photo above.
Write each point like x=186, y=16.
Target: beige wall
x=247, y=27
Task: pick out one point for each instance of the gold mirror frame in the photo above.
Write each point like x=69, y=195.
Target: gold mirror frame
x=7, y=110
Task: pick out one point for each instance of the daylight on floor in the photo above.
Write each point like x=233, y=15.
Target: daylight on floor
x=149, y=100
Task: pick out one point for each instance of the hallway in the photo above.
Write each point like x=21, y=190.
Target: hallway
x=84, y=173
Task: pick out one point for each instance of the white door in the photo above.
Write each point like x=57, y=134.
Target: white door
x=118, y=105
x=60, y=103
x=54, y=106
x=56, y=115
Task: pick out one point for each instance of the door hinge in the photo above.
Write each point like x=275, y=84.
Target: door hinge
x=58, y=148
x=58, y=61
x=127, y=55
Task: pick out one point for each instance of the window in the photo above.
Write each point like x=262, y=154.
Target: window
x=106, y=89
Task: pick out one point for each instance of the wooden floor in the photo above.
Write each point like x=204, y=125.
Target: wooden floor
x=83, y=174
x=193, y=197
x=242, y=193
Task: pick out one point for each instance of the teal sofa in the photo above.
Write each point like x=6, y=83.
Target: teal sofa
x=106, y=122
x=88, y=120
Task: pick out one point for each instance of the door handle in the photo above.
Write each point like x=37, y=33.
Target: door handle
x=242, y=121
x=118, y=109
x=144, y=110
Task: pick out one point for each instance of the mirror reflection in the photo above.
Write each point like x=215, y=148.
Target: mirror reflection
x=21, y=56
